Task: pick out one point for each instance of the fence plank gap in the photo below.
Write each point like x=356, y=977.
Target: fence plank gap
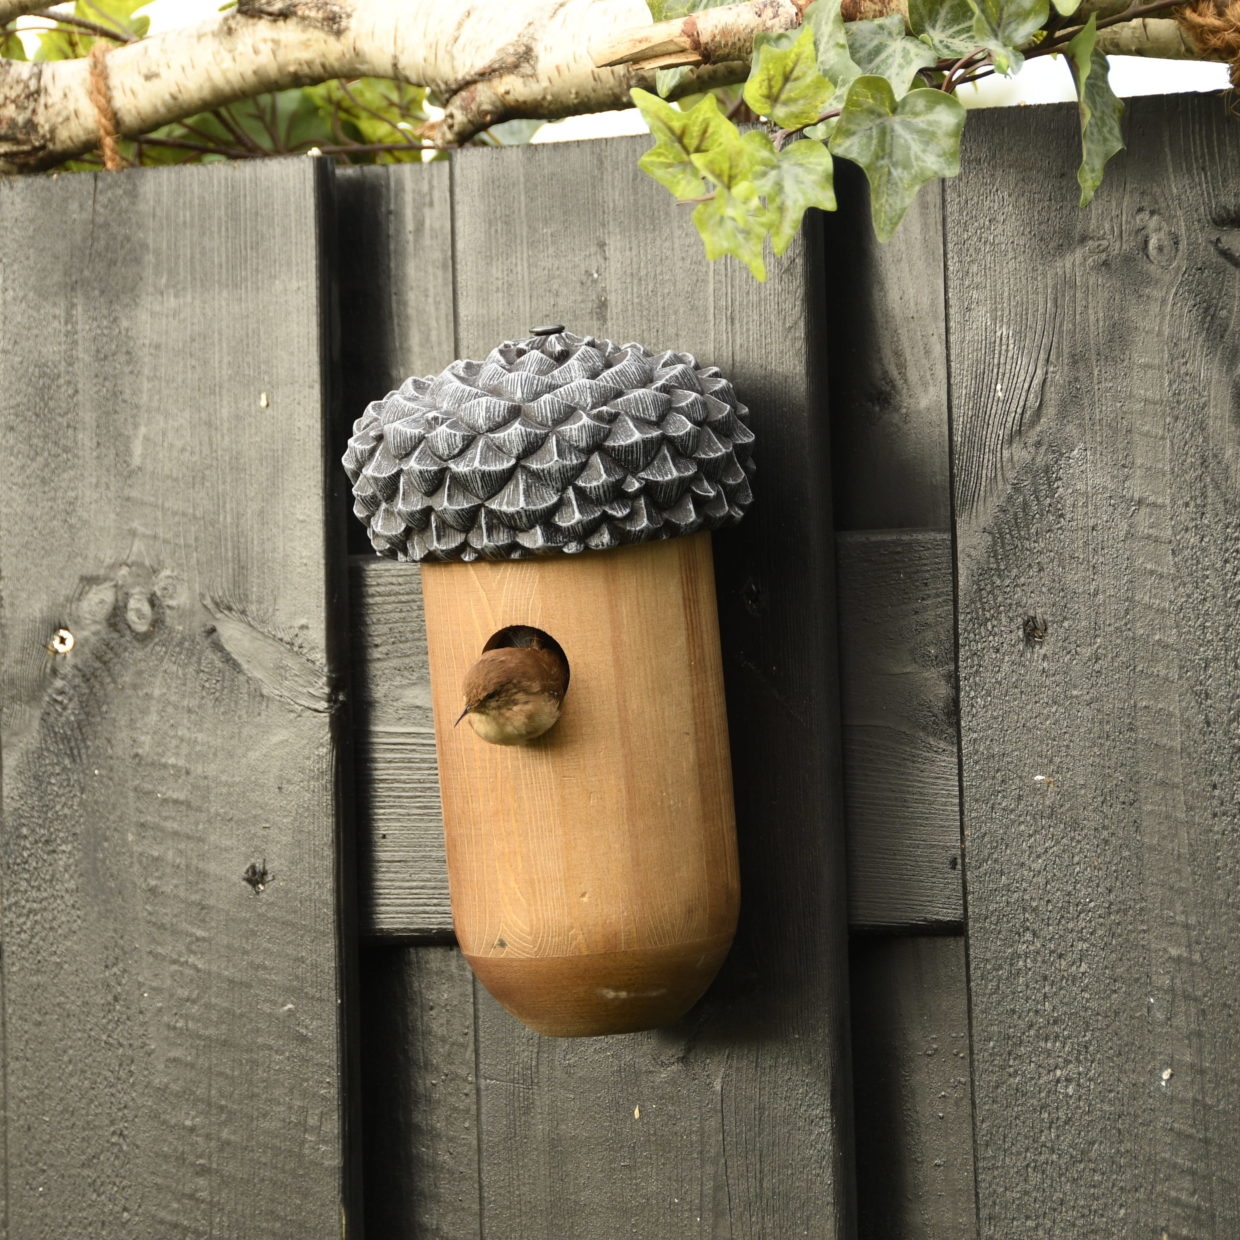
x=913, y=1091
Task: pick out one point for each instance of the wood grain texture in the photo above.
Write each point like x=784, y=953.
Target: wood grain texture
x=913, y=1095
x=174, y=1058
x=593, y=870
x=1097, y=460
x=577, y=235
x=404, y=877
x=898, y=698
x=888, y=365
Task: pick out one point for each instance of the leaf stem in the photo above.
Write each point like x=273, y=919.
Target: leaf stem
x=782, y=137
x=950, y=82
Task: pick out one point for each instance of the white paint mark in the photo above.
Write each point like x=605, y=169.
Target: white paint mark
x=263, y=400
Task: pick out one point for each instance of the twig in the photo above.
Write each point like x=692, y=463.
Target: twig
x=86, y=26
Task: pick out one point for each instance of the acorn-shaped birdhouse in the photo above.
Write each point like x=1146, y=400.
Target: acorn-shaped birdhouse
x=559, y=495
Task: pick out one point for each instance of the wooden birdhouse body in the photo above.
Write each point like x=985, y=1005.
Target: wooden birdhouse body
x=593, y=871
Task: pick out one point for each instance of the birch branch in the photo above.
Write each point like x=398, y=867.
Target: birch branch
x=490, y=60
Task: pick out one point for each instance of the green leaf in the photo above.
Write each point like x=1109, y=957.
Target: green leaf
x=944, y=26
x=1065, y=8
x=801, y=177
x=678, y=137
x=880, y=46
x=736, y=223
x=1100, y=110
x=62, y=45
x=784, y=83
x=732, y=164
x=11, y=47
x=901, y=144
x=666, y=80
x=831, y=46
x=1004, y=26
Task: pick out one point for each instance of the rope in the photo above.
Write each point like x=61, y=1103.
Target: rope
x=1214, y=26
x=105, y=117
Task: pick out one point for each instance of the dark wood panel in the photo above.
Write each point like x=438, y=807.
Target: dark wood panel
x=172, y=904
x=1097, y=461
x=419, y=1094
x=913, y=1097
x=889, y=435
x=898, y=696
x=900, y=761
x=577, y=235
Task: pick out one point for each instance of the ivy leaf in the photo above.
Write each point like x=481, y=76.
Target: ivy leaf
x=944, y=26
x=900, y=143
x=731, y=164
x=831, y=46
x=802, y=176
x=734, y=222
x=678, y=137
x=1005, y=25
x=666, y=80
x=881, y=46
x=784, y=83
x=1099, y=108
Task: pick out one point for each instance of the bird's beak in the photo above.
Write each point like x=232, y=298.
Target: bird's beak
x=460, y=716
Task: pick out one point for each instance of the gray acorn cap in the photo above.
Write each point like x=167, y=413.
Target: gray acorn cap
x=553, y=443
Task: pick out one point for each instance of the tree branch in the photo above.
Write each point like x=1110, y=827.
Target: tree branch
x=1160, y=37
x=490, y=60
x=701, y=38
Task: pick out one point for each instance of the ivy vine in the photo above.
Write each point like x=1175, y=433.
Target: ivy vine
x=879, y=93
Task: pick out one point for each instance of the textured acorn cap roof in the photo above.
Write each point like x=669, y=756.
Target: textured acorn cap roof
x=553, y=443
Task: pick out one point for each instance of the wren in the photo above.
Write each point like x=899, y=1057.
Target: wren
x=514, y=693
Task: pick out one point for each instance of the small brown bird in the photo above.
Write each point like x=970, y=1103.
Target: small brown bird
x=513, y=693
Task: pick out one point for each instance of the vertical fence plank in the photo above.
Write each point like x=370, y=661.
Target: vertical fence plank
x=663, y=1134
x=1097, y=464
x=172, y=904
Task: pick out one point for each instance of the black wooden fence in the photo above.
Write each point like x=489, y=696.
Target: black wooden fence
x=231, y=1003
